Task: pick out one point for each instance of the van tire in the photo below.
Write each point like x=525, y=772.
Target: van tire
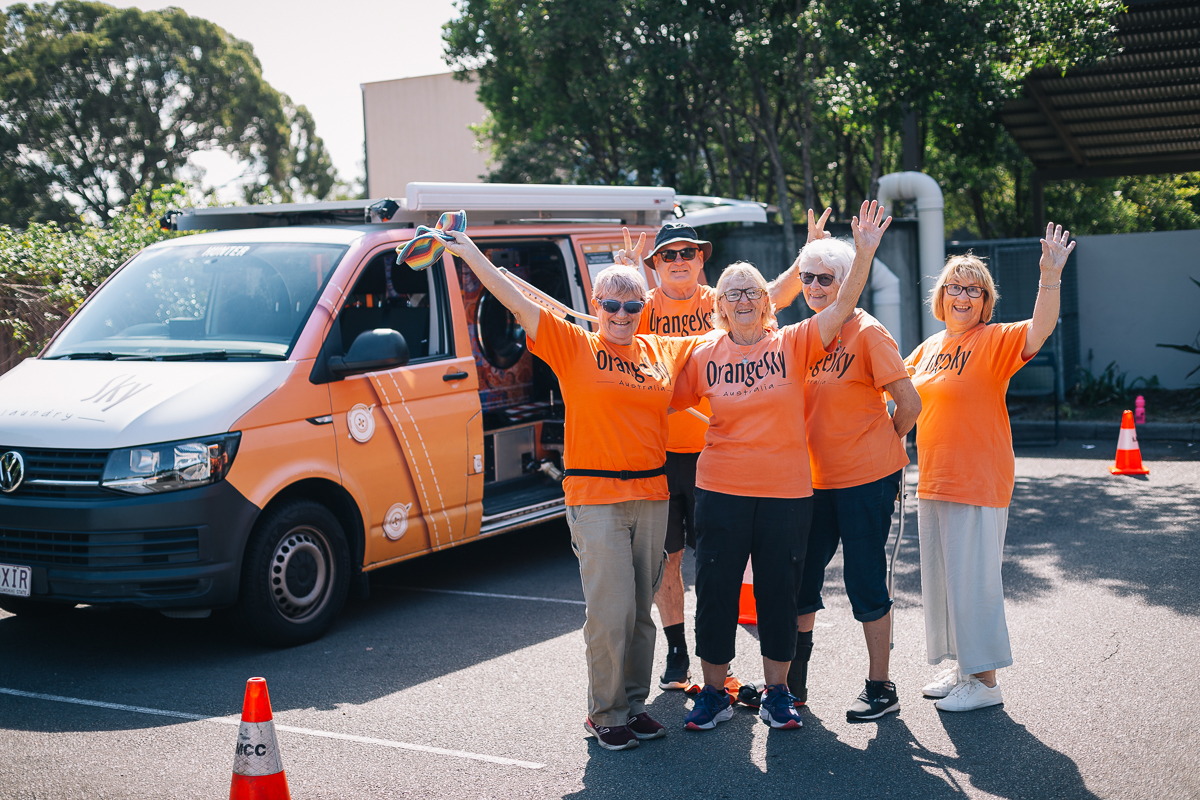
x=295, y=575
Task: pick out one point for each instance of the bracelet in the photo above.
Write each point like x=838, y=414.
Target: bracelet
x=1044, y=286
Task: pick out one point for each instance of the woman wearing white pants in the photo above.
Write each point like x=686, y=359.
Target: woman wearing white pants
x=965, y=457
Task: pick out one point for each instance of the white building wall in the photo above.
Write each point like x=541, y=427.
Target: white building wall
x=1134, y=292
x=417, y=129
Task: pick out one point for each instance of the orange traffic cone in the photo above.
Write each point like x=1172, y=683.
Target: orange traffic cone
x=747, y=610
x=257, y=768
x=1129, y=455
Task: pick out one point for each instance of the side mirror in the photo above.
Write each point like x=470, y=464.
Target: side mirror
x=372, y=351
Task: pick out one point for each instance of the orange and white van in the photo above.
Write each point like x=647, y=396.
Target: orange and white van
x=256, y=416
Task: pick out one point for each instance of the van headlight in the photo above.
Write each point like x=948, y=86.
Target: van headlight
x=172, y=465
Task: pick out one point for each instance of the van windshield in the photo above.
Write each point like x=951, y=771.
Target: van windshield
x=203, y=302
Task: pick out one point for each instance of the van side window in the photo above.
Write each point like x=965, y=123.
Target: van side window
x=390, y=295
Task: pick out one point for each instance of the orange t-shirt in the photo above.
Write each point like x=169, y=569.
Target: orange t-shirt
x=851, y=440
x=964, y=443
x=692, y=317
x=617, y=400
x=755, y=444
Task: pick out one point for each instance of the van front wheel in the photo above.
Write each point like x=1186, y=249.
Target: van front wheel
x=295, y=575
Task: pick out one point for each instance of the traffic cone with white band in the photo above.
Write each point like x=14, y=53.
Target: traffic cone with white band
x=747, y=610
x=257, y=767
x=1129, y=455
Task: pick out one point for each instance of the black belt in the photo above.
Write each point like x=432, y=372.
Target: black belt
x=619, y=474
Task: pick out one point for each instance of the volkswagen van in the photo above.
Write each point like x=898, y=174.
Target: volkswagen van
x=255, y=416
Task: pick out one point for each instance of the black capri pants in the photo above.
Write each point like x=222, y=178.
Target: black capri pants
x=773, y=533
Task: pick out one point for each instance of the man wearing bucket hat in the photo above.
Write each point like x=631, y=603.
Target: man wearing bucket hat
x=680, y=305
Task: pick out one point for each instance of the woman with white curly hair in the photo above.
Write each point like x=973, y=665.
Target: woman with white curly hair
x=617, y=386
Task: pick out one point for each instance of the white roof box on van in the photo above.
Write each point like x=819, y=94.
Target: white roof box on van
x=487, y=203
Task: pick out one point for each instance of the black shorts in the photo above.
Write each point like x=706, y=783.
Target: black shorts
x=681, y=513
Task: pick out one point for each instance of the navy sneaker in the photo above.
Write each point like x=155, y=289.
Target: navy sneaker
x=877, y=699
x=710, y=707
x=779, y=708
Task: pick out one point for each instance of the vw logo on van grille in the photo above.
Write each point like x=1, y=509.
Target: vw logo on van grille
x=12, y=471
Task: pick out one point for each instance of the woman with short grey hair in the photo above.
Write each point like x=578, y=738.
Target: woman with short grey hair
x=752, y=375
x=617, y=387
x=966, y=464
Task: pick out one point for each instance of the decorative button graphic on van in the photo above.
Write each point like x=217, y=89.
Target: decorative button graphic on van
x=116, y=391
x=361, y=422
x=395, y=521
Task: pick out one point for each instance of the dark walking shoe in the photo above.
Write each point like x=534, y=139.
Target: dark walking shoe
x=779, y=708
x=645, y=726
x=877, y=699
x=750, y=695
x=676, y=675
x=617, y=738
x=711, y=706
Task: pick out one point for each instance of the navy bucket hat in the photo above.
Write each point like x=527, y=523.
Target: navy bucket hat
x=678, y=232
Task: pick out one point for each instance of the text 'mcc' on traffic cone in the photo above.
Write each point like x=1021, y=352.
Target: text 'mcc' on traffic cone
x=747, y=611
x=257, y=768
x=1129, y=455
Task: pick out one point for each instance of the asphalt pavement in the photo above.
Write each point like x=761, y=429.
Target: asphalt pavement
x=477, y=689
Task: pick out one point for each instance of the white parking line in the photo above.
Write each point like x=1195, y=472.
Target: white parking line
x=489, y=594
x=158, y=712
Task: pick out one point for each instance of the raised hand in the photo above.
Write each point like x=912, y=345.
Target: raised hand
x=869, y=230
x=630, y=256
x=1055, y=251
x=816, y=230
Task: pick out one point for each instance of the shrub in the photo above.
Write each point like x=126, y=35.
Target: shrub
x=1109, y=386
x=47, y=270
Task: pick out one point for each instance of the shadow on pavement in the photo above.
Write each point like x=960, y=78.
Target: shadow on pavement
x=995, y=754
x=1136, y=543
x=395, y=640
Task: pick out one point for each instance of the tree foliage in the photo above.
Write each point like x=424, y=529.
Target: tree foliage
x=98, y=102
x=47, y=269
x=797, y=102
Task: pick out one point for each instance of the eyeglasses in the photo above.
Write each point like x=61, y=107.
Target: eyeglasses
x=687, y=254
x=733, y=295
x=631, y=306
x=954, y=290
x=808, y=277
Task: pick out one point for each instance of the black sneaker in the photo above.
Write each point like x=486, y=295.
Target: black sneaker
x=750, y=695
x=877, y=699
x=676, y=675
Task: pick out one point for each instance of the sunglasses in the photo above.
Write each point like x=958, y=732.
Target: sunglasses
x=631, y=306
x=954, y=290
x=687, y=254
x=809, y=277
x=733, y=295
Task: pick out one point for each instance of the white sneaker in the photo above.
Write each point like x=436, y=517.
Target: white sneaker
x=970, y=695
x=944, y=683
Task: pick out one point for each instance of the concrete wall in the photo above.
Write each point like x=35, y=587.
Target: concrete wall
x=1134, y=291
x=417, y=130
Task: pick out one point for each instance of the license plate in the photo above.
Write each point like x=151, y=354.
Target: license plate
x=15, y=580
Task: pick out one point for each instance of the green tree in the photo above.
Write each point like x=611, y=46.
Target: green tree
x=101, y=102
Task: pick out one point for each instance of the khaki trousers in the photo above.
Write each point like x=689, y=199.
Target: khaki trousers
x=620, y=550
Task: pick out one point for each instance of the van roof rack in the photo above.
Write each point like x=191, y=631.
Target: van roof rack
x=488, y=203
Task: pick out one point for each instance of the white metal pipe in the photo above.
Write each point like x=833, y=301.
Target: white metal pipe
x=931, y=231
x=885, y=298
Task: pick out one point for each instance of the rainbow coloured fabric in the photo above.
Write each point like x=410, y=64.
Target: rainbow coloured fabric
x=426, y=247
